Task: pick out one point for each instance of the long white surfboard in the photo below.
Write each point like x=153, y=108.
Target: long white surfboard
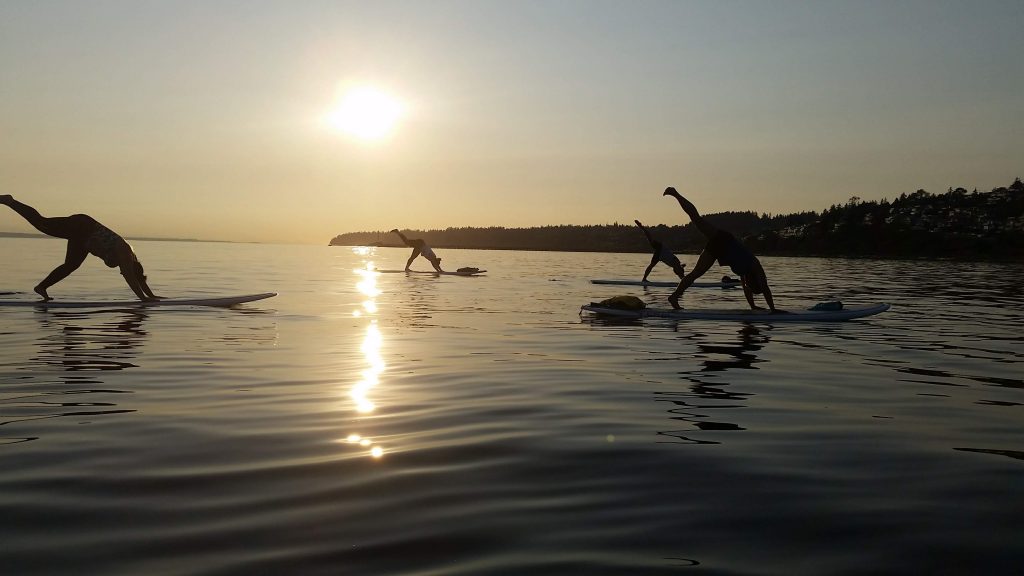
x=660, y=284
x=847, y=313
x=432, y=272
x=217, y=301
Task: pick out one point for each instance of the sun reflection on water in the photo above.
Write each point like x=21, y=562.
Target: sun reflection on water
x=371, y=349
x=368, y=285
x=371, y=375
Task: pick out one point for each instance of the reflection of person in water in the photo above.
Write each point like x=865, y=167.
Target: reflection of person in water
x=739, y=355
x=419, y=248
x=80, y=343
x=725, y=248
x=715, y=404
x=85, y=236
x=661, y=254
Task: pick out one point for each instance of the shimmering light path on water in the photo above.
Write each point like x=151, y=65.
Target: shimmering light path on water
x=362, y=423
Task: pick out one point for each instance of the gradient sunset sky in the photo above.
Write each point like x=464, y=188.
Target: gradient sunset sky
x=213, y=119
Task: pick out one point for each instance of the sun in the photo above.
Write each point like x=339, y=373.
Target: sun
x=366, y=113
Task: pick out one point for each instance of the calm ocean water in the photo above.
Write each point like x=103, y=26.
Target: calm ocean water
x=383, y=424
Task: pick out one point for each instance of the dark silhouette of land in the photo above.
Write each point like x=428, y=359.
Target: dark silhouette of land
x=956, y=224
x=140, y=238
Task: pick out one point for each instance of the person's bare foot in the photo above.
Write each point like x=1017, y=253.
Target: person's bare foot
x=6, y=198
x=674, y=301
x=42, y=292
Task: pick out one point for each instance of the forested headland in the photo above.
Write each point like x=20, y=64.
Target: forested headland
x=955, y=224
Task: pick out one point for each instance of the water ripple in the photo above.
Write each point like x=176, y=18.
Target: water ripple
x=370, y=423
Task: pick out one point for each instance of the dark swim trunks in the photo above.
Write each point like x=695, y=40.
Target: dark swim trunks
x=729, y=252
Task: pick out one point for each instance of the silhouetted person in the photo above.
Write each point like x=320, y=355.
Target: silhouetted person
x=725, y=248
x=85, y=236
x=419, y=248
x=661, y=254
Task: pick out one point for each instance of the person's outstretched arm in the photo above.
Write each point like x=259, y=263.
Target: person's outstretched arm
x=768, y=295
x=762, y=281
x=148, y=291
x=131, y=271
x=750, y=296
x=128, y=271
x=143, y=283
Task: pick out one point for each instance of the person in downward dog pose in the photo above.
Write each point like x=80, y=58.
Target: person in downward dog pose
x=661, y=254
x=725, y=248
x=85, y=236
x=419, y=248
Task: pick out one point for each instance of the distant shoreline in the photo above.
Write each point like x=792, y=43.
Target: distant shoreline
x=32, y=235
x=907, y=257
x=957, y=225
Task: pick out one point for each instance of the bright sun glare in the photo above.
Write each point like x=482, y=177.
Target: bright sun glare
x=366, y=113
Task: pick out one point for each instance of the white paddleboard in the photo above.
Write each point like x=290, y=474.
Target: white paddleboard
x=218, y=301
x=432, y=272
x=657, y=284
x=847, y=313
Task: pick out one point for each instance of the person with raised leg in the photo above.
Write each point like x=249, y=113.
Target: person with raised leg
x=85, y=236
x=724, y=247
x=661, y=254
x=419, y=248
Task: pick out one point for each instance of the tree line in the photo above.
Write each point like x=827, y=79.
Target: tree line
x=955, y=224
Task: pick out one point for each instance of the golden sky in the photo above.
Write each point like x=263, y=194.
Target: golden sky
x=224, y=120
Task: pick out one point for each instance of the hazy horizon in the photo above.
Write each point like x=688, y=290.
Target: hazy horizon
x=216, y=121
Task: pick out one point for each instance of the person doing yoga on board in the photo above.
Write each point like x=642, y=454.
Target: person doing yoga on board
x=725, y=248
x=419, y=248
x=661, y=254
x=85, y=236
